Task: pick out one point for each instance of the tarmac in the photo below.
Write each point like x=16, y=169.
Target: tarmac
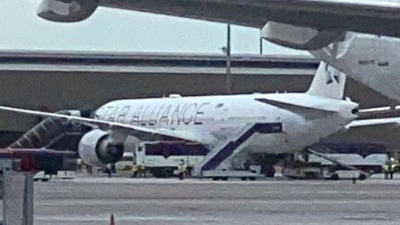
x=91, y=200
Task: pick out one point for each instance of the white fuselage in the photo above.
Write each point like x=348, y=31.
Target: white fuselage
x=217, y=117
x=369, y=59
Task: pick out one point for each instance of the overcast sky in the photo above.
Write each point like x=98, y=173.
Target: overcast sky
x=120, y=30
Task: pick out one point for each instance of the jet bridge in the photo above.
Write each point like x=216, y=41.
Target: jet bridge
x=230, y=147
x=50, y=130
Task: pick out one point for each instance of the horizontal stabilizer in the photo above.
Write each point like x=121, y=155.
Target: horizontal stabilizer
x=291, y=106
x=374, y=122
x=379, y=112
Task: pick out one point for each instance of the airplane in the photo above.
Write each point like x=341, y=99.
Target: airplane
x=266, y=124
x=300, y=24
x=369, y=59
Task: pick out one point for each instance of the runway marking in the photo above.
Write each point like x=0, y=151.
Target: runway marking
x=124, y=180
x=83, y=178
x=187, y=181
x=172, y=202
x=365, y=218
x=101, y=218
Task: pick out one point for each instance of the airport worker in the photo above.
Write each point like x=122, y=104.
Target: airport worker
x=389, y=168
x=113, y=168
x=79, y=162
x=108, y=170
x=182, y=169
x=385, y=171
x=141, y=170
x=135, y=170
x=246, y=165
x=391, y=171
x=89, y=169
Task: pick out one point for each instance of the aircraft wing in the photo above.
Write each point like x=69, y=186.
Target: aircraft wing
x=374, y=131
x=142, y=133
x=366, y=16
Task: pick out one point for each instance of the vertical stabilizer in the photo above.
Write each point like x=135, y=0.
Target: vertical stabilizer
x=328, y=82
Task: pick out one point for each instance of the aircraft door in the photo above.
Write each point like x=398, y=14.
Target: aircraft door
x=140, y=154
x=222, y=115
x=383, y=50
x=387, y=79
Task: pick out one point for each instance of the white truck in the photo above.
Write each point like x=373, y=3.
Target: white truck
x=162, y=158
x=61, y=175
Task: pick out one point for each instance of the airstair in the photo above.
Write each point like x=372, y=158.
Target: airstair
x=50, y=130
x=334, y=161
x=230, y=147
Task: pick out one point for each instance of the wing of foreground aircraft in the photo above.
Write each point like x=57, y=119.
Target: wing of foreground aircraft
x=137, y=131
x=366, y=16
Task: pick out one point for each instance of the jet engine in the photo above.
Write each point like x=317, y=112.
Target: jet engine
x=302, y=38
x=97, y=149
x=66, y=10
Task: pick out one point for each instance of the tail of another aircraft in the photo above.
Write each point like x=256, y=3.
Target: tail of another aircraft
x=328, y=82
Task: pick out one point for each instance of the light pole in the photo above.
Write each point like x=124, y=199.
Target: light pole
x=228, y=76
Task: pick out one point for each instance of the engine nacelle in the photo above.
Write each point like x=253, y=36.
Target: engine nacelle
x=96, y=149
x=67, y=10
x=302, y=38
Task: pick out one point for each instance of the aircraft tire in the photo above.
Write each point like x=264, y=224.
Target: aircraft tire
x=166, y=173
x=162, y=173
x=310, y=176
x=335, y=177
x=269, y=171
x=156, y=173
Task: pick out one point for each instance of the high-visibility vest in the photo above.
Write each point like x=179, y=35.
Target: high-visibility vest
x=182, y=167
x=385, y=167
